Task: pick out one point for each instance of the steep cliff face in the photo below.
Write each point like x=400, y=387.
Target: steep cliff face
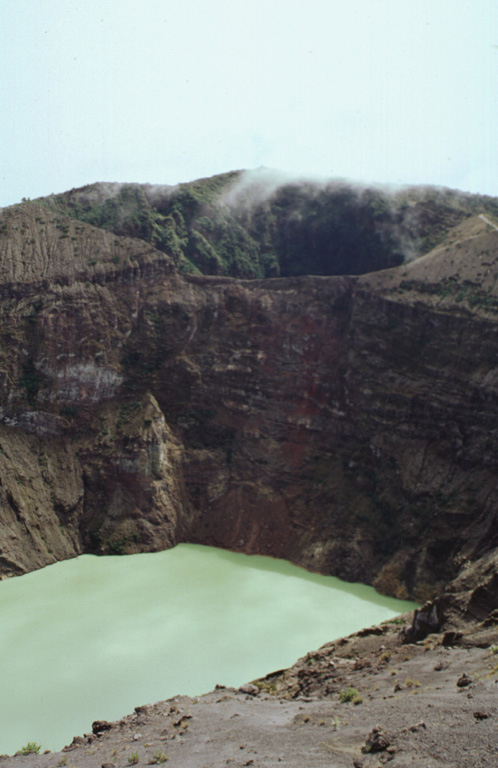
x=85, y=463
x=344, y=422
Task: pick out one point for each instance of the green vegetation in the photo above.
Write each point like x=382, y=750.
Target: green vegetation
x=119, y=545
x=350, y=694
x=133, y=758
x=126, y=412
x=158, y=758
x=31, y=748
x=458, y=291
x=30, y=381
x=69, y=411
x=266, y=687
x=232, y=224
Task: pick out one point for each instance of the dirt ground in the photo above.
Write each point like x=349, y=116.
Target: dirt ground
x=427, y=704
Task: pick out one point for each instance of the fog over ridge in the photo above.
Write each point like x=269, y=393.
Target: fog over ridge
x=266, y=222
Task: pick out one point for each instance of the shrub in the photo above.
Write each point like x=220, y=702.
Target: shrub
x=266, y=687
x=348, y=694
x=31, y=748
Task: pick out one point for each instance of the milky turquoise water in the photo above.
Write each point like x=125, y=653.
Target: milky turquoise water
x=93, y=637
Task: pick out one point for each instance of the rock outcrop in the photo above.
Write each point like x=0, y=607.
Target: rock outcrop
x=346, y=423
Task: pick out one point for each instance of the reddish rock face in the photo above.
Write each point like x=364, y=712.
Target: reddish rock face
x=347, y=423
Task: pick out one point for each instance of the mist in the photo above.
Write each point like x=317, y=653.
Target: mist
x=179, y=91
x=266, y=222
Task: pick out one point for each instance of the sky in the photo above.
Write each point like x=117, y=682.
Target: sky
x=166, y=91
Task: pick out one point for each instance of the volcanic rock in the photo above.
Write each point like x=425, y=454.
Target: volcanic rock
x=343, y=422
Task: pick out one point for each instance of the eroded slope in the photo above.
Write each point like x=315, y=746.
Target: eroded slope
x=345, y=423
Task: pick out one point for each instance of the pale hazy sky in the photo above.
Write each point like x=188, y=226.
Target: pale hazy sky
x=165, y=91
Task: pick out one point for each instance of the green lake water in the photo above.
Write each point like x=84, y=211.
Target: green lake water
x=91, y=638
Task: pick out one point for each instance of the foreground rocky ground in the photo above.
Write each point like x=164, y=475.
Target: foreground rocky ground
x=432, y=703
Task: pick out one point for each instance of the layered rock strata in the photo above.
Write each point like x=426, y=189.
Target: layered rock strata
x=344, y=423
